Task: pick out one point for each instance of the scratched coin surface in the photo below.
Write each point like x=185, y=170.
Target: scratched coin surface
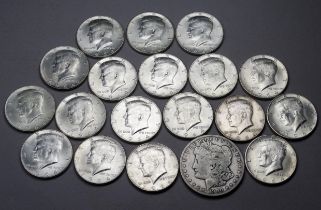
x=270, y=159
x=100, y=36
x=199, y=33
x=112, y=78
x=80, y=115
x=212, y=165
x=46, y=153
x=188, y=115
x=29, y=108
x=292, y=116
x=263, y=76
x=152, y=167
x=136, y=119
x=100, y=159
x=162, y=75
x=213, y=75
x=150, y=33
x=240, y=118
x=64, y=67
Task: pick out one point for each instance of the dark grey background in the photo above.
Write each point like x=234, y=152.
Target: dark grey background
x=288, y=30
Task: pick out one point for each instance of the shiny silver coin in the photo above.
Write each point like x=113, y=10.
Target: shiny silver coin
x=263, y=76
x=240, y=118
x=270, y=159
x=100, y=159
x=46, y=153
x=112, y=78
x=188, y=115
x=64, y=67
x=199, y=33
x=162, y=75
x=292, y=116
x=152, y=167
x=100, y=36
x=136, y=119
x=213, y=75
x=29, y=108
x=80, y=115
x=150, y=33
x=212, y=165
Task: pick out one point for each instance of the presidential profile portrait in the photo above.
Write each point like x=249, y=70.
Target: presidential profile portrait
x=151, y=29
x=199, y=30
x=264, y=72
x=164, y=71
x=212, y=72
x=239, y=114
x=137, y=115
x=188, y=110
x=80, y=112
x=112, y=74
x=100, y=33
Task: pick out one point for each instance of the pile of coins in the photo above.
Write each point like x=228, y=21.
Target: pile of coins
x=211, y=165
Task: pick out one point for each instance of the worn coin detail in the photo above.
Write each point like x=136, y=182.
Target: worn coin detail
x=152, y=167
x=239, y=118
x=212, y=165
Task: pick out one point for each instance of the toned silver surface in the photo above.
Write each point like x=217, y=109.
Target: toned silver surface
x=270, y=159
x=240, y=118
x=46, y=153
x=263, y=76
x=212, y=165
x=213, y=75
x=188, y=115
x=152, y=167
x=150, y=33
x=112, y=78
x=162, y=75
x=199, y=33
x=64, y=67
x=29, y=108
x=100, y=36
x=80, y=115
x=136, y=119
x=100, y=159
x=292, y=116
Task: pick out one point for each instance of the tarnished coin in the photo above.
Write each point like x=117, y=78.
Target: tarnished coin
x=212, y=165
x=292, y=116
x=80, y=115
x=64, y=67
x=162, y=75
x=270, y=159
x=188, y=115
x=213, y=75
x=46, y=153
x=136, y=119
x=152, y=167
x=263, y=76
x=112, y=78
x=240, y=118
x=150, y=33
x=199, y=33
x=100, y=159
x=29, y=108
x=100, y=36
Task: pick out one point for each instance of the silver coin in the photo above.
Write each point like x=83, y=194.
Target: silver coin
x=112, y=78
x=136, y=119
x=46, y=153
x=270, y=159
x=199, y=33
x=188, y=115
x=100, y=36
x=80, y=115
x=150, y=33
x=152, y=167
x=212, y=165
x=162, y=75
x=263, y=76
x=29, y=108
x=100, y=159
x=240, y=118
x=213, y=75
x=292, y=116
x=64, y=67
